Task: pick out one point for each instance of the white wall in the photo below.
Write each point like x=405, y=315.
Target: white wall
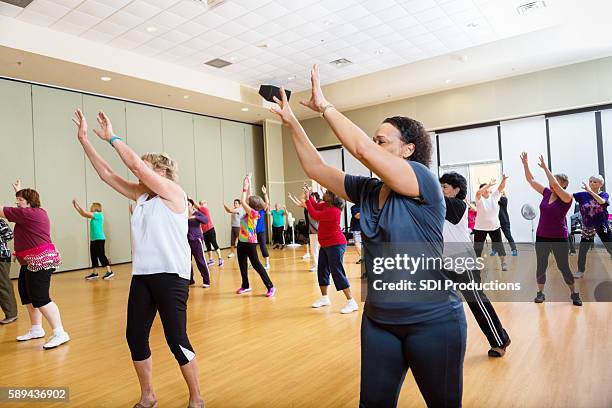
x=469, y=146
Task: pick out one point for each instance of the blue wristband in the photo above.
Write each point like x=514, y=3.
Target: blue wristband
x=112, y=139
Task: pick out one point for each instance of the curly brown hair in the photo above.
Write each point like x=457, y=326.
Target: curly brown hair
x=31, y=196
x=413, y=131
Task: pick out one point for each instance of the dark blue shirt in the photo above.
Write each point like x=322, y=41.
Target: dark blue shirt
x=406, y=223
x=354, y=221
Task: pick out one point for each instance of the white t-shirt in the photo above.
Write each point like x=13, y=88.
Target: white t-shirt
x=487, y=217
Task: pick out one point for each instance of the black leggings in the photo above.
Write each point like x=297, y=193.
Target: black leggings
x=506, y=230
x=433, y=350
x=262, y=239
x=166, y=293
x=210, y=240
x=249, y=250
x=278, y=235
x=96, y=250
x=480, y=237
x=33, y=287
x=585, y=244
x=560, y=249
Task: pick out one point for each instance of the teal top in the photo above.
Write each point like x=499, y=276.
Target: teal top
x=96, y=231
x=278, y=218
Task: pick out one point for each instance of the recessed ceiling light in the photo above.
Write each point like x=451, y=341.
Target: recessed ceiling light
x=448, y=81
x=105, y=78
x=232, y=58
x=328, y=22
x=291, y=78
x=245, y=109
x=378, y=52
x=185, y=96
x=151, y=29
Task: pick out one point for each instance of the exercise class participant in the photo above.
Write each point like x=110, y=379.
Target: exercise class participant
x=210, y=235
x=236, y=215
x=552, y=232
x=404, y=206
x=487, y=220
x=97, y=239
x=161, y=261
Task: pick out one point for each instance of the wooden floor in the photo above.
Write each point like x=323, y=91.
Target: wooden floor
x=259, y=352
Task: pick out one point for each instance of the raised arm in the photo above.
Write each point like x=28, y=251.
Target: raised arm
x=502, y=185
x=596, y=197
x=264, y=190
x=81, y=211
x=244, y=198
x=560, y=191
x=167, y=189
x=104, y=170
x=470, y=205
x=483, y=189
x=310, y=159
x=393, y=170
x=229, y=210
x=528, y=176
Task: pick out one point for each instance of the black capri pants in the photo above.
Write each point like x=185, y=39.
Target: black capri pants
x=166, y=293
x=33, y=287
x=210, y=240
x=262, y=240
x=96, y=250
x=560, y=249
x=480, y=237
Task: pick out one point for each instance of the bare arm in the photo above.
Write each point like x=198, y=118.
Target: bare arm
x=593, y=194
x=81, y=211
x=2, y=212
x=244, y=198
x=560, y=191
x=264, y=190
x=529, y=177
x=229, y=210
x=104, y=170
x=502, y=185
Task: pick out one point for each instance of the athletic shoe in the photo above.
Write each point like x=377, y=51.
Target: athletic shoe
x=220, y=262
x=240, y=291
x=572, y=253
x=540, y=298
x=576, y=299
x=493, y=253
x=56, y=340
x=211, y=262
x=322, y=301
x=267, y=267
x=8, y=320
x=514, y=252
x=306, y=256
x=271, y=292
x=578, y=274
x=314, y=268
x=231, y=255
x=205, y=285
x=359, y=261
x=499, y=351
x=350, y=307
x=30, y=335
x=504, y=266
x=108, y=275
x=92, y=276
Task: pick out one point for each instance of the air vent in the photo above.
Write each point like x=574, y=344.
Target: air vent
x=218, y=63
x=18, y=3
x=341, y=62
x=530, y=7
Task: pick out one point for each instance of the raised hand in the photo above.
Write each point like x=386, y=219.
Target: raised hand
x=283, y=109
x=79, y=120
x=504, y=177
x=246, y=183
x=264, y=190
x=524, y=158
x=586, y=187
x=17, y=185
x=542, y=163
x=106, y=128
x=317, y=101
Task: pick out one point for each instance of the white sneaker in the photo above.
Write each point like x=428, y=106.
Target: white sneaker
x=267, y=267
x=30, y=335
x=313, y=269
x=306, y=256
x=578, y=274
x=204, y=285
x=351, y=306
x=231, y=255
x=56, y=340
x=504, y=266
x=322, y=301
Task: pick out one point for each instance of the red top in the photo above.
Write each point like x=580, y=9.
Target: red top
x=330, y=233
x=32, y=227
x=471, y=218
x=208, y=226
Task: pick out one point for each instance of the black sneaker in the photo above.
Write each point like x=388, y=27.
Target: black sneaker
x=540, y=298
x=576, y=299
x=499, y=351
x=108, y=275
x=359, y=261
x=92, y=276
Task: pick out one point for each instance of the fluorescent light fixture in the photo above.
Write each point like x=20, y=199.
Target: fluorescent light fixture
x=151, y=29
x=105, y=78
x=245, y=109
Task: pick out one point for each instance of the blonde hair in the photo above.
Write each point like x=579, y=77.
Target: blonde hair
x=96, y=207
x=161, y=161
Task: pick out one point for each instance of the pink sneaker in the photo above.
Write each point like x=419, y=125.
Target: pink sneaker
x=240, y=291
x=271, y=292
x=221, y=262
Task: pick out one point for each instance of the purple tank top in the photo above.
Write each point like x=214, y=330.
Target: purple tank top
x=552, y=222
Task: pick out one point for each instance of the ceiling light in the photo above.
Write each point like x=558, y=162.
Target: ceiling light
x=232, y=58
x=151, y=29
x=472, y=25
x=448, y=81
x=185, y=96
x=291, y=78
x=263, y=45
x=328, y=22
x=218, y=63
x=105, y=78
x=245, y=109
x=378, y=52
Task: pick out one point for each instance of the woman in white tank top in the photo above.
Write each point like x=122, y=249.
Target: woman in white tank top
x=161, y=260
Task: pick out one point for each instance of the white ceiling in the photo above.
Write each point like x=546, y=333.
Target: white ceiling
x=374, y=34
